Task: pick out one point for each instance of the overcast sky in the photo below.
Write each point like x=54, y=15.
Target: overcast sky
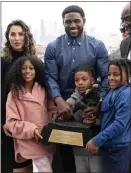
x=105, y=16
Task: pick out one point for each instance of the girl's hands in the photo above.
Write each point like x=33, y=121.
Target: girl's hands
x=6, y=130
x=37, y=135
x=91, y=147
x=90, y=120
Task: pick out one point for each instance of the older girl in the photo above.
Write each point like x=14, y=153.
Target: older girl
x=115, y=136
x=28, y=109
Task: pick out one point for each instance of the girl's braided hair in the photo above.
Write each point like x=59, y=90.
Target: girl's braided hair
x=122, y=63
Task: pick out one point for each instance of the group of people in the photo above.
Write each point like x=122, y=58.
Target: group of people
x=33, y=91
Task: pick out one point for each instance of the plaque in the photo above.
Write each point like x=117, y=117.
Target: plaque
x=66, y=137
x=69, y=133
x=74, y=132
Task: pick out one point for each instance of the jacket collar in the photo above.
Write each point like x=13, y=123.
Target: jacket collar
x=114, y=92
x=78, y=94
x=35, y=96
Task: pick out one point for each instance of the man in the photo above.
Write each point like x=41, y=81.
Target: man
x=61, y=58
x=125, y=29
x=125, y=45
x=117, y=53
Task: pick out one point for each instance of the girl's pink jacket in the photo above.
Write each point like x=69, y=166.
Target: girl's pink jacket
x=23, y=116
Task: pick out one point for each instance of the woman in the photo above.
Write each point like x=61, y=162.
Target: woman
x=19, y=42
x=6, y=158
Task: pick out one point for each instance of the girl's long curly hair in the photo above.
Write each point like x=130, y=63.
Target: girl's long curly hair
x=29, y=45
x=15, y=81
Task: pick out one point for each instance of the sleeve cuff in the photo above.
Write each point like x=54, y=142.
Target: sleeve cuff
x=32, y=131
x=98, y=141
x=56, y=95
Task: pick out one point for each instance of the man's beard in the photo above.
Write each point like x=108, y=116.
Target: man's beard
x=79, y=33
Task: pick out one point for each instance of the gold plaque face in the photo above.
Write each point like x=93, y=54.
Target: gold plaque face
x=66, y=137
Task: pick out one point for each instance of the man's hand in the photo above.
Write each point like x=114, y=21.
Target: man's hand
x=63, y=108
x=91, y=147
x=37, y=135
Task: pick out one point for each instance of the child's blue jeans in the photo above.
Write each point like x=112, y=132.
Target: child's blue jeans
x=117, y=159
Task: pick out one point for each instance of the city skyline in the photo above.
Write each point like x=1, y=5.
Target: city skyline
x=100, y=22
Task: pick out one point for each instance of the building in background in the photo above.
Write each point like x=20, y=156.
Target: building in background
x=40, y=50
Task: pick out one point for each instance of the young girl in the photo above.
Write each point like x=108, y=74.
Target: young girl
x=27, y=111
x=114, y=138
x=84, y=78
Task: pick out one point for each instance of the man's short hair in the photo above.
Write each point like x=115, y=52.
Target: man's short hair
x=73, y=8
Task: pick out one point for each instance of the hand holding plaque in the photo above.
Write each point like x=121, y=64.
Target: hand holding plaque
x=73, y=131
x=63, y=108
x=68, y=133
